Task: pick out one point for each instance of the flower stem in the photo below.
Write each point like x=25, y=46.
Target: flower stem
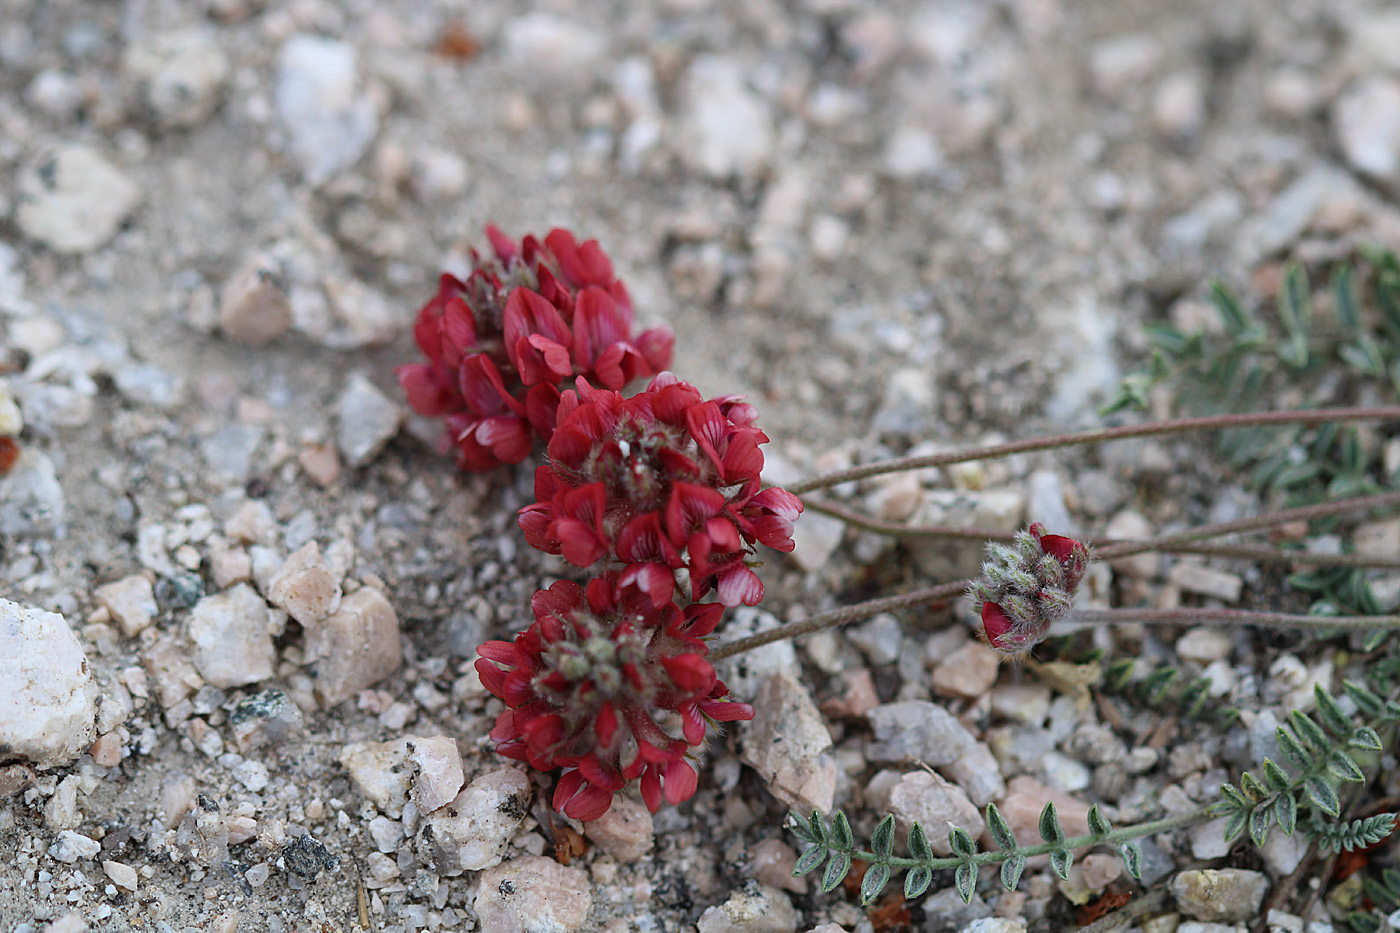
x=1205, y=616
x=1052, y=442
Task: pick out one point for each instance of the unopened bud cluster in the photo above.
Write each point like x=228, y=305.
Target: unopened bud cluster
x=1028, y=586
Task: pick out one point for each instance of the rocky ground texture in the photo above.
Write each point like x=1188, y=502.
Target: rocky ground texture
x=242, y=590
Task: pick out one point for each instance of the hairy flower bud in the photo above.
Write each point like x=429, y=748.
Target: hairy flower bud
x=1026, y=588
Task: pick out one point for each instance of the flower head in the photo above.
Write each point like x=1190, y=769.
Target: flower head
x=500, y=343
x=1026, y=587
x=663, y=480
x=610, y=688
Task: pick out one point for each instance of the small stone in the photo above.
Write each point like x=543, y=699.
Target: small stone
x=306, y=858
x=1378, y=539
x=228, y=565
x=266, y=718
x=1128, y=525
x=329, y=120
x=532, y=894
x=232, y=642
x=1025, y=703
x=1283, y=854
x=230, y=450
x=355, y=648
x=181, y=74
x=255, y=309
x=381, y=770
x=937, y=805
x=144, y=384
x=968, y=672
x=788, y=744
x=1025, y=799
x=73, y=846
x=557, y=46
x=754, y=908
x=1220, y=894
x=815, y=538
x=106, y=751
x=879, y=638
x=306, y=585
x=726, y=129
x=367, y=419
x=252, y=523
x=1194, y=577
x=122, y=875
x=439, y=771
x=995, y=925
x=1204, y=644
x=1123, y=60
x=61, y=812
x=252, y=775
x=47, y=697
x=131, y=602
x=473, y=832
x=1179, y=107
x=1100, y=870
x=772, y=861
x=1366, y=119
x=32, y=504
x=321, y=462
x=73, y=200
x=71, y=922
x=917, y=730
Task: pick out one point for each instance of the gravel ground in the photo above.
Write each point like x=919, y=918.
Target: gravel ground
x=894, y=227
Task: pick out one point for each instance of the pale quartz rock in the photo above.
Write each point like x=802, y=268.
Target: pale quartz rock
x=532, y=894
x=366, y=420
x=252, y=523
x=307, y=586
x=255, y=309
x=72, y=846
x=47, y=697
x=122, y=875
x=474, y=830
x=232, y=645
x=772, y=861
x=73, y=200
x=1220, y=894
x=170, y=669
x=355, y=648
x=382, y=772
x=754, y=908
x=181, y=74
x=788, y=744
x=439, y=771
x=968, y=672
x=131, y=602
x=624, y=832
x=937, y=805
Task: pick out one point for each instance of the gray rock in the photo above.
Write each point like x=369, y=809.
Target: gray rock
x=367, y=419
x=945, y=912
x=726, y=129
x=532, y=894
x=745, y=673
x=232, y=644
x=1132, y=526
x=73, y=200
x=626, y=831
x=145, y=384
x=381, y=770
x=879, y=638
x=229, y=451
x=1001, y=509
x=815, y=538
x=1289, y=214
x=130, y=601
x=917, y=730
x=995, y=925
x=754, y=908
x=1223, y=894
x=978, y=773
x=1195, y=577
x=1045, y=503
x=912, y=153
x=1366, y=119
x=556, y=47
x=473, y=832
x=329, y=120
x=71, y=847
x=788, y=744
x=181, y=74
x=935, y=804
x=31, y=500
x=49, y=408
x=48, y=702
x=438, y=771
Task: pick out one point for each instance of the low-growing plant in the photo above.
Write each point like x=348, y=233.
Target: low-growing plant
x=658, y=496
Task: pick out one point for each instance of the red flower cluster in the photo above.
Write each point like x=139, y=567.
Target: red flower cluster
x=609, y=686
x=500, y=344
x=661, y=481
x=1025, y=588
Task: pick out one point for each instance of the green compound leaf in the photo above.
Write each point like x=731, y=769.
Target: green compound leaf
x=1098, y=826
x=966, y=880
x=882, y=840
x=801, y=829
x=1366, y=701
x=1323, y=796
x=1011, y=871
x=916, y=883
x=961, y=843
x=1295, y=302
x=836, y=870
x=1259, y=822
x=809, y=861
x=1132, y=858
x=1050, y=829
x=1155, y=685
x=1118, y=674
x=1342, y=766
x=874, y=882
x=1286, y=813
x=1193, y=698
x=1275, y=777
x=999, y=828
x=1060, y=860
x=918, y=844
x=1288, y=743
